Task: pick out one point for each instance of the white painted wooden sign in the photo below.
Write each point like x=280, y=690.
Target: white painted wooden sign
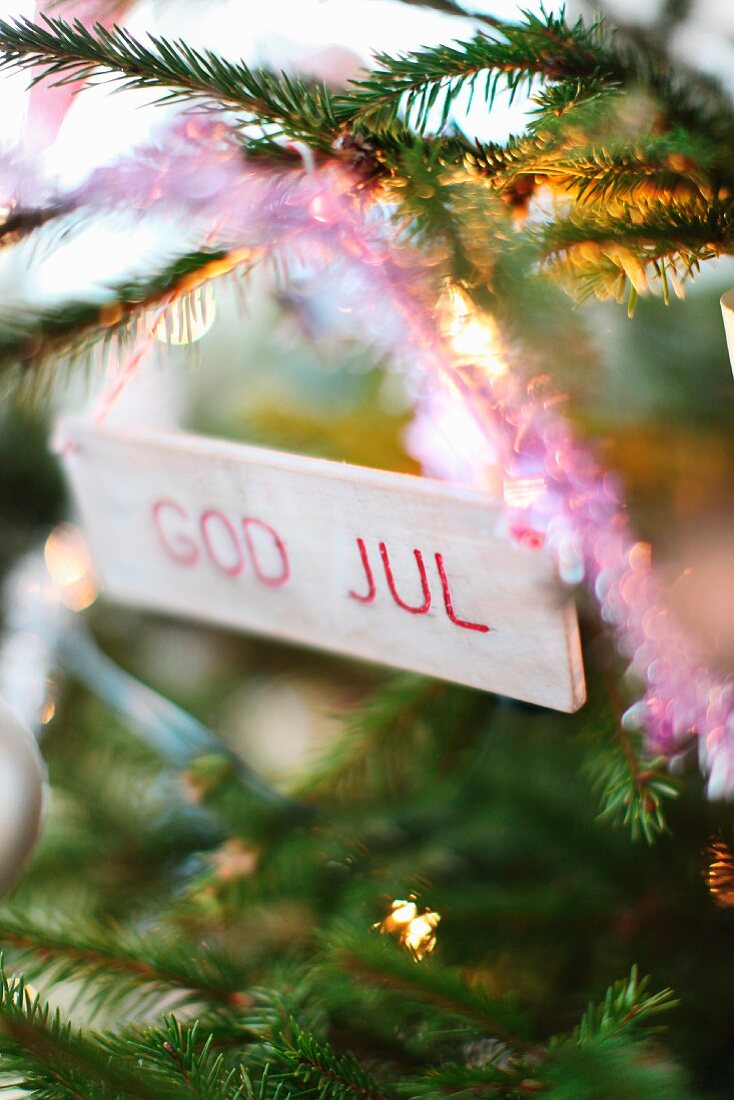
x=402, y=570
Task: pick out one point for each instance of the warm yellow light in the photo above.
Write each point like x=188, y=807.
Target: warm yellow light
x=48, y=710
x=189, y=318
x=419, y=936
x=473, y=336
x=720, y=874
x=68, y=561
x=401, y=914
x=414, y=930
x=234, y=860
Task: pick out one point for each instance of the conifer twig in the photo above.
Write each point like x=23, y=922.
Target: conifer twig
x=384, y=964
x=114, y=964
x=67, y=52
x=319, y=1067
x=37, y=335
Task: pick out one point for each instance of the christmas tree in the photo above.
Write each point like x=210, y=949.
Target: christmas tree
x=269, y=870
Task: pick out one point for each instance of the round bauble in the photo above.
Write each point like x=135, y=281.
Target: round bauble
x=21, y=795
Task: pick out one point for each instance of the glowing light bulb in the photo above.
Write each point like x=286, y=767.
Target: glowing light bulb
x=720, y=873
x=473, y=336
x=48, y=710
x=415, y=931
x=68, y=561
x=189, y=318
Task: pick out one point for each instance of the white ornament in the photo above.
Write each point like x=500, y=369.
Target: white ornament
x=727, y=308
x=21, y=795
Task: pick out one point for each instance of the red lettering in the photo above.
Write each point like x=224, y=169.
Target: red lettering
x=235, y=567
x=450, y=603
x=371, y=586
x=179, y=546
x=275, y=581
x=222, y=544
x=369, y=596
x=426, y=605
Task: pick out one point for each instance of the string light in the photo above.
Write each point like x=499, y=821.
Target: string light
x=415, y=931
x=473, y=336
x=234, y=860
x=48, y=712
x=190, y=319
x=720, y=873
x=68, y=561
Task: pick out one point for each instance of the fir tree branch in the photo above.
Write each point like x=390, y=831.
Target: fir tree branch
x=654, y=172
x=597, y=252
x=375, y=754
x=633, y=787
x=611, y=1052
x=181, y=1059
x=406, y=731
x=544, y=46
x=541, y=46
x=689, y=167
x=68, y=52
x=53, y=1062
x=627, y=1008
x=317, y=1066
x=22, y=221
x=116, y=966
x=372, y=960
x=587, y=102
x=30, y=338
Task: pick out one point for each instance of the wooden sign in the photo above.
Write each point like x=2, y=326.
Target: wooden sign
x=402, y=570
